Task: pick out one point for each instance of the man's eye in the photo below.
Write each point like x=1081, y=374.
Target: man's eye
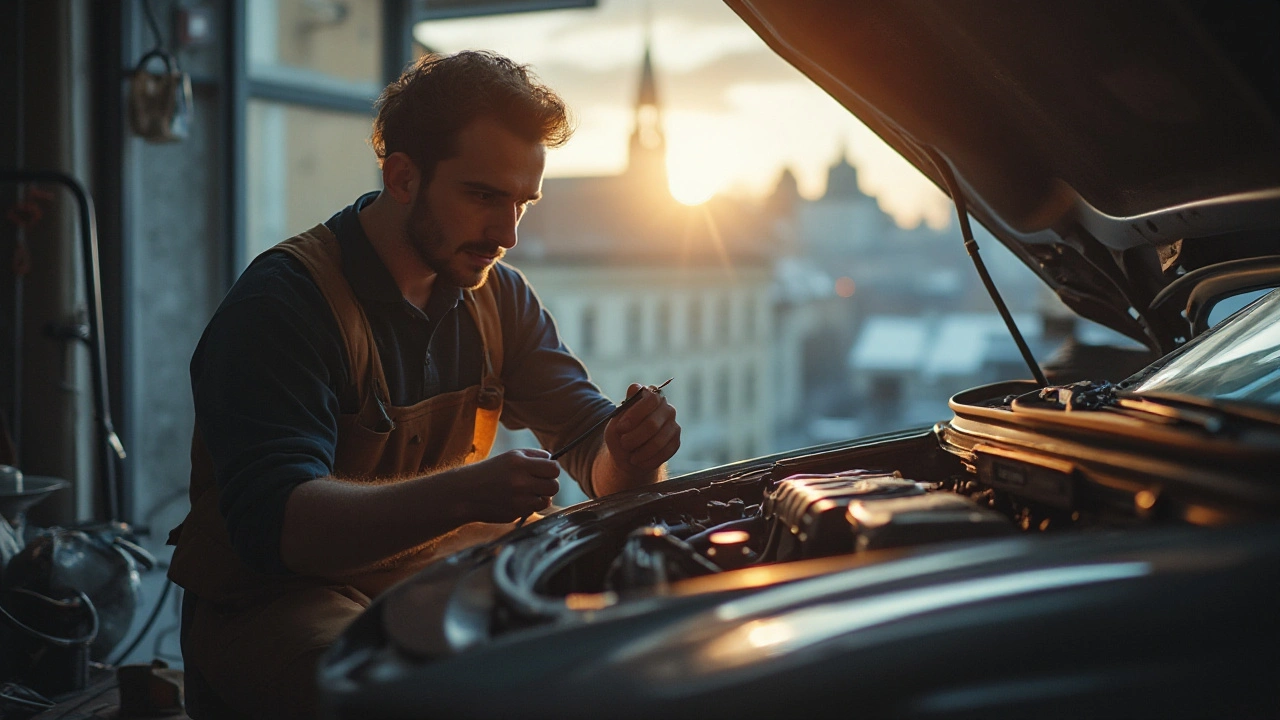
x=484, y=195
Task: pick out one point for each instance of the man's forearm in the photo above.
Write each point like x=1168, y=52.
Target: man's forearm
x=607, y=477
x=333, y=527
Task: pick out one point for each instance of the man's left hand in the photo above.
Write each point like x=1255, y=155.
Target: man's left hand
x=644, y=437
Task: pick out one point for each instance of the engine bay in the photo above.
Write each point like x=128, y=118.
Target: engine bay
x=976, y=477
x=807, y=516
x=986, y=474
x=848, y=502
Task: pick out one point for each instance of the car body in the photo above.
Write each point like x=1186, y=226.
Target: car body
x=1109, y=547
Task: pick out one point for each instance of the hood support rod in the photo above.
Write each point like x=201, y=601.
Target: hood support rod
x=971, y=246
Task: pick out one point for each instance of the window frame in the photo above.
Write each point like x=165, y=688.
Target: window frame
x=297, y=89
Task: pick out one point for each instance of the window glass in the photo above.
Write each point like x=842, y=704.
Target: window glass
x=589, y=331
x=695, y=322
x=1237, y=360
x=303, y=166
x=1223, y=309
x=317, y=42
x=724, y=319
x=723, y=392
x=728, y=196
x=635, y=328
x=663, y=338
x=695, y=396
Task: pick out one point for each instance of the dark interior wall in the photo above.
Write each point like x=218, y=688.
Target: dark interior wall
x=11, y=156
x=168, y=215
x=64, y=80
x=174, y=271
x=47, y=117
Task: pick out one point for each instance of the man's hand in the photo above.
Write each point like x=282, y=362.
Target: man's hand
x=507, y=487
x=380, y=520
x=637, y=443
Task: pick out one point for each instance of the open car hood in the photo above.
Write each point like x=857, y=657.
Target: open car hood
x=1127, y=152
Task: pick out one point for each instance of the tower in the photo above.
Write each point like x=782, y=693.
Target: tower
x=842, y=180
x=647, y=155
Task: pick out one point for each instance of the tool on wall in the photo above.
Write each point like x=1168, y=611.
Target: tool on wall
x=160, y=101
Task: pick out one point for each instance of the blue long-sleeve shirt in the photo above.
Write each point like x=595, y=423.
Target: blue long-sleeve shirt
x=269, y=373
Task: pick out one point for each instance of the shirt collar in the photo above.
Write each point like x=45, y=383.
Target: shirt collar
x=366, y=273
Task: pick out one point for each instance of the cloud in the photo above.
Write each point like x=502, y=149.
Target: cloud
x=730, y=100
x=706, y=88
x=709, y=87
x=687, y=34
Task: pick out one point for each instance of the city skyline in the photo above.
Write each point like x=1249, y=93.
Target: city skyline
x=735, y=114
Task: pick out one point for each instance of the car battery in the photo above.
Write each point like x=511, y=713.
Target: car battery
x=936, y=517
x=808, y=511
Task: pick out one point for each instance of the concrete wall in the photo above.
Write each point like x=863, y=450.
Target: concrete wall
x=175, y=274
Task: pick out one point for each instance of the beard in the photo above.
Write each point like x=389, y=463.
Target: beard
x=452, y=263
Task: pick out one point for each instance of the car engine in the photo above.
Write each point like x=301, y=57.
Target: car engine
x=806, y=516
x=994, y=470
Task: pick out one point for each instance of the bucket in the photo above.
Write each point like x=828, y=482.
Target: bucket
x=44, y=641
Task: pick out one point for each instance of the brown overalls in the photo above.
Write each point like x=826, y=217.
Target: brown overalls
x=255, y=639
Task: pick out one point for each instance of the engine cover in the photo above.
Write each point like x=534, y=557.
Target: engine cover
x=822, y=515
x=809, y=511
x=937, y=517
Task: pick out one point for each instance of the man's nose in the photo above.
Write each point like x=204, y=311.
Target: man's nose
x=503, y=228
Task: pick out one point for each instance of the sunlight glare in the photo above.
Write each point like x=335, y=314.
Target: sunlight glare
x=693, y=187
x=700, y=162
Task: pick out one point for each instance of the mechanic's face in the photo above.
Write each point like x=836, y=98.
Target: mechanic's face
x=465, y=219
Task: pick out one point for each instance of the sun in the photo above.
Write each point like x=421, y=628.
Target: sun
x=698, y=166
x=692, y=185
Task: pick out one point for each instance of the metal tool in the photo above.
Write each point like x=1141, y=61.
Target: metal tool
x=616, y=411
x=599, y=424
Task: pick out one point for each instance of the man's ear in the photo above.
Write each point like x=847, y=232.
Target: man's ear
x=400, y=178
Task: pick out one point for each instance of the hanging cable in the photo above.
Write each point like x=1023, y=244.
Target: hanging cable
x=971, y=246
x=151, y=22
x=146, y=626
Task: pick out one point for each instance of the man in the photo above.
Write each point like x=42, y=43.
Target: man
x=349, y=386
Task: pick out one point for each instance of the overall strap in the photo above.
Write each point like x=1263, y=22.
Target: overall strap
x=482, y=303
x=318, y=250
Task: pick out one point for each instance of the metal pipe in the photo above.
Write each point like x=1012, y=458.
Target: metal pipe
x=20, y=233
x=111, y=450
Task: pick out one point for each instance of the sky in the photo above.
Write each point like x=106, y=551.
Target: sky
x=734, y=113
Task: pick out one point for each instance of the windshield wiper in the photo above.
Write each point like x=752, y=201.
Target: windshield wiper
x=1209, y=422
x=1105, y=397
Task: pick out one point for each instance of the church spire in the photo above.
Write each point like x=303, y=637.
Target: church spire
x=648, y=86
x=648, y=151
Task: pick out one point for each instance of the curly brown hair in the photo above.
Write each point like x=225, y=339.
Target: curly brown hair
x=422, y=111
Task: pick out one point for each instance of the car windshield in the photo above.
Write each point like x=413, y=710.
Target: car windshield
x=1238, y=360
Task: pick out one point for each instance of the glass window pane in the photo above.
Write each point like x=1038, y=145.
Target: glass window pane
x=635, y=328
x=589, y=331
x=303, y=165
x=316, y=42
x=663, y=332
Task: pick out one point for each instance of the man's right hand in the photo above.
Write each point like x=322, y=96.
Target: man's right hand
x=380, y=520
x=508, y=487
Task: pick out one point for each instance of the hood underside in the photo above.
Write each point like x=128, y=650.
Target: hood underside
x=1113, y=146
